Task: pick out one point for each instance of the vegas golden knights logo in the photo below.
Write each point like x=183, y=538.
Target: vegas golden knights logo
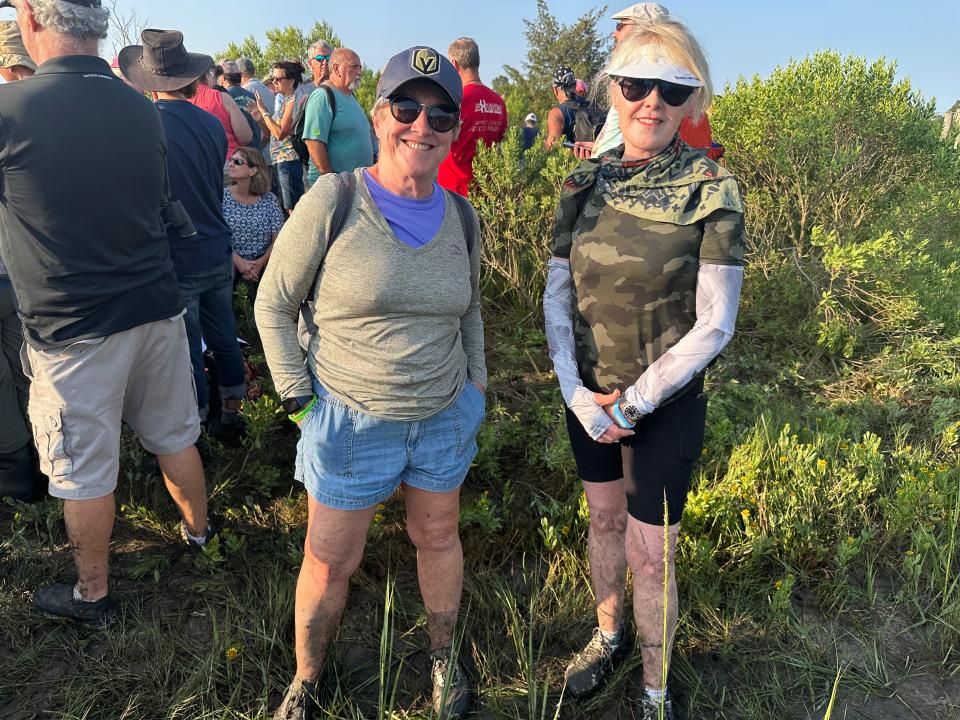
x=426, y=61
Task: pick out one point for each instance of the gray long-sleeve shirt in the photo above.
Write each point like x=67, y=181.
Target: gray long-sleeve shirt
x=398, y=328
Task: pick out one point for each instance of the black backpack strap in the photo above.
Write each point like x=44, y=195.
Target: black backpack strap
x=346, y=191
x=332, y=99
x=466, y=219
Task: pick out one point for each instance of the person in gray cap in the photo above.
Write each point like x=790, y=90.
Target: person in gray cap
x=392, y=391
x=18, y=476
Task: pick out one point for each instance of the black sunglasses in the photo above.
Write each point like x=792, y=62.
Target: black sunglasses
x=440, y=117
x=634, y=89
x=621, y=25
x=241, y=161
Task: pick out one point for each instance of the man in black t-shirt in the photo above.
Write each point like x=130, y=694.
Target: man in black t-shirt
x=87, y=252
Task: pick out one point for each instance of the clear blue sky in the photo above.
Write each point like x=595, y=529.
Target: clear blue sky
x=741, y=37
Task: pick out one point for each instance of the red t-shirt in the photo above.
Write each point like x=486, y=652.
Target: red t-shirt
x=696, y=135
x=484, y=117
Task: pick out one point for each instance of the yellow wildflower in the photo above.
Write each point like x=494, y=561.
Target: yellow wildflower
x=783, y=458
x=821, y=464
x=778, y=584
x=232, y=653
x=378, y=518
x=745, y=514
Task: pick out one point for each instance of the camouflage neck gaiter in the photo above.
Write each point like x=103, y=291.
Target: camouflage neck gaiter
x=679, y=186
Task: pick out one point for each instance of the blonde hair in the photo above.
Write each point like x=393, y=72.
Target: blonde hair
x=678, y=45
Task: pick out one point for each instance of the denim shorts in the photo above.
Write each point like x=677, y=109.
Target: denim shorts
x=350, y=460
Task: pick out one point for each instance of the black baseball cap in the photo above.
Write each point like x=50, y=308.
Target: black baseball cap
x=420, y=63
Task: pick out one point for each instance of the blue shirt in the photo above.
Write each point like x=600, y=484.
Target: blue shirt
x=196, y=146
x=414, y=222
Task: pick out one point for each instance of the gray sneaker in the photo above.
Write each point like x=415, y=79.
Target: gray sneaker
x=591, y=667
x=300, y=702
x=652, y=710
x=451, y=692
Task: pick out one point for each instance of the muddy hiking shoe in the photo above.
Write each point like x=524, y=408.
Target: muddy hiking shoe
x=300, y=702
x=591, y=667
x=653, y=710
x=451, y=692
x=57, y=600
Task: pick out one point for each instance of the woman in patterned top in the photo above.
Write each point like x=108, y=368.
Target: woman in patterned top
x=253, y=214
x=286, y=77
x=642, y=294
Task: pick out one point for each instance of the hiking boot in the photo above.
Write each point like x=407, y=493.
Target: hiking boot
x=451, y=692
x=300, y=702
x=57, y=600
x=653, y=710
x=230, y=434
x=591, y=667
x=213, y=528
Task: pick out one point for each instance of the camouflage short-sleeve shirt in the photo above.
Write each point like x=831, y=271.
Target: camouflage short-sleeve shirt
x=635, y=274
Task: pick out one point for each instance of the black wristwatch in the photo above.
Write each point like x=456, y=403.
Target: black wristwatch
x=631, y=412
x=291, y=406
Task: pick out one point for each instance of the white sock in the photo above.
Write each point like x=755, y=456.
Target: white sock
x=77, y=597
x=612, y=639
x=201, y=541
x=655, y=695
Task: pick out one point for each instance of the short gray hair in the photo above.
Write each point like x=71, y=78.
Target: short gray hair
x=465, y=53
x=246, y=66
x=67, y=18
x=321, y=45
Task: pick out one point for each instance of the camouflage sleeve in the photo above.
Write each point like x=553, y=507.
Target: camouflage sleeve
x=718, y=298
x=563, y=221
x=723, y=240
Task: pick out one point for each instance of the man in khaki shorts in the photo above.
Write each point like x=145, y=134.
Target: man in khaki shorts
x=87, y=253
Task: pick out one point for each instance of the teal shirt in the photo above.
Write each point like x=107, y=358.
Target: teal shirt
x=347, y=135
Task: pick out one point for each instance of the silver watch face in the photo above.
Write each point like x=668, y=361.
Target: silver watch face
x=631, y=412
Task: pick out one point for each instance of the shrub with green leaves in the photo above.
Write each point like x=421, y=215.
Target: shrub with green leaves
x=828, y=141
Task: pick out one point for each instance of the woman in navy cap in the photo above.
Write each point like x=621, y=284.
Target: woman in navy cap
x=392, y=392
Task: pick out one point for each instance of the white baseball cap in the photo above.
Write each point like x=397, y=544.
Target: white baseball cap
x=650, y=62
x=643, y=12
x=531, y=117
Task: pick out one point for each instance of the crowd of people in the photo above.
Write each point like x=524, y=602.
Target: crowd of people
x=125, y=232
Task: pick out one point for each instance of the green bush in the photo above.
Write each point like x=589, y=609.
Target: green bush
x=827, y=141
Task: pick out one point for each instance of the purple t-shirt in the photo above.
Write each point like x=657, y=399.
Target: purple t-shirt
x=414, y=222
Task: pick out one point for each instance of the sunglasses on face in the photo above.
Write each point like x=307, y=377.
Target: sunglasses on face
x=621, y=25
x=321, y=58
x=240, y=162
x=672, y=94
x=278, y=79
x=440, y=117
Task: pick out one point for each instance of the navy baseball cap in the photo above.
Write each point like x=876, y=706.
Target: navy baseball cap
x=420, y=63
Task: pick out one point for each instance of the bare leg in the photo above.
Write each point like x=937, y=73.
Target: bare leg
x=331, y=554
x=89, y=527
x=433, y=521
x=605, y=549
x=183, y=475
x=646, y=555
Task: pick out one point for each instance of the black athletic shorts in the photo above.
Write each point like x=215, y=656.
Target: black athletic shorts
x=657, y=459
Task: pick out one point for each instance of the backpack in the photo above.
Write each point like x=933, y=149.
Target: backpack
x=582, y=120
x=346, y=190
x=300, y=119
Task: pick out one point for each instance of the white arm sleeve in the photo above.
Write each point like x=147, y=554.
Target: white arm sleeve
x=558, y=321
x=718, y=297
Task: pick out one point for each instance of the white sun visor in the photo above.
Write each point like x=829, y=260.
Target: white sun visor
x=650, y=63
